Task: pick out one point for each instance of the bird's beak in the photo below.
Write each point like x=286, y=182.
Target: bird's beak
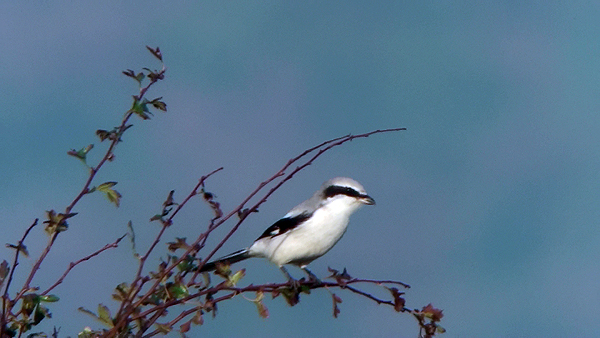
x=368, y=200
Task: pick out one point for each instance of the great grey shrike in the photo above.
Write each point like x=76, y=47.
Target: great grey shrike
x=309, y=230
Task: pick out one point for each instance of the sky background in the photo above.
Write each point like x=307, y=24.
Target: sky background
x=487, y=205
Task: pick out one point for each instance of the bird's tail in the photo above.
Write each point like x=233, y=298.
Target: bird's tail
x=235, y=257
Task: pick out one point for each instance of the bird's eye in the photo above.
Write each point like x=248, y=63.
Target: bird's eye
x=337, y=190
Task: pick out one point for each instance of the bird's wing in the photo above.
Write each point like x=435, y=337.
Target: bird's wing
x=284, y=225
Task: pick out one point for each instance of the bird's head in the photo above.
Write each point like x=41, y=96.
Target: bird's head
x=347, y=191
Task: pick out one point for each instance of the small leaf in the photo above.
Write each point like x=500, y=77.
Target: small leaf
x=236, y=277
x=140, y=108
x=57, y=222
x=197, y=319
x=163, y=328
x=341, y=278
x=103, y=134
x=112, y=195
x=178, y=291
x=40, y=313
x=223, y=270
x=291, y=295
x=156, y=52
x=180, y=244
x=81, y=153
x=49, y=298
x=104, y=315
x=21, y=248
x=29, y=302
x=131, y=235
x=158, y=104
x=106, y=186
x=432, y=313
x=263, y=312
x=185, y=327
x=399, y=301
x=87, y=312
x=4, y=270
x=336, y=301
x=122, y=290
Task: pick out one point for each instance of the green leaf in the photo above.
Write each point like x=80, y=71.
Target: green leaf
x=178, y=291
x=140, y=108
x=81, y=153
x=138, y=77
x=49, y=298
x=41, y=312
x=112, y=195
x=29, y=302
x=104, y=315
x=236, y=277
x=106, y=186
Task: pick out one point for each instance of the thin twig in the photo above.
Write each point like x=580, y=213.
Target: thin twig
x=10, y=277
x=74, y=264
x=135, y=288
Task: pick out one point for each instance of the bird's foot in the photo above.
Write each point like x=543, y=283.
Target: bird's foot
x=312, y=277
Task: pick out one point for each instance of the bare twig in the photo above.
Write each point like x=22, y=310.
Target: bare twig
x=74, y=264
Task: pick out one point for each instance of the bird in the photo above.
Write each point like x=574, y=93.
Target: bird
x=306, y=232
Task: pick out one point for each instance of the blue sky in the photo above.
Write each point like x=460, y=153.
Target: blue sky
x=487, y=205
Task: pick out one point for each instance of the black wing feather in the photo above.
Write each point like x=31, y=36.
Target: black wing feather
x=284, y=225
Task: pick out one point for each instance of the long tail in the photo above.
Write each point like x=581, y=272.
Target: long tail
x=229, y=259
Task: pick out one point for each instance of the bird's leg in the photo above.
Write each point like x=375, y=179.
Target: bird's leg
x=295, y=284
x=311, y=276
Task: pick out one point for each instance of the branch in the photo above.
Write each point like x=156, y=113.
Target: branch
x=10, y=277
x=330, y=144
x=274, y=288
x=135, y=288
x=93, y=171
x=74, y=264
